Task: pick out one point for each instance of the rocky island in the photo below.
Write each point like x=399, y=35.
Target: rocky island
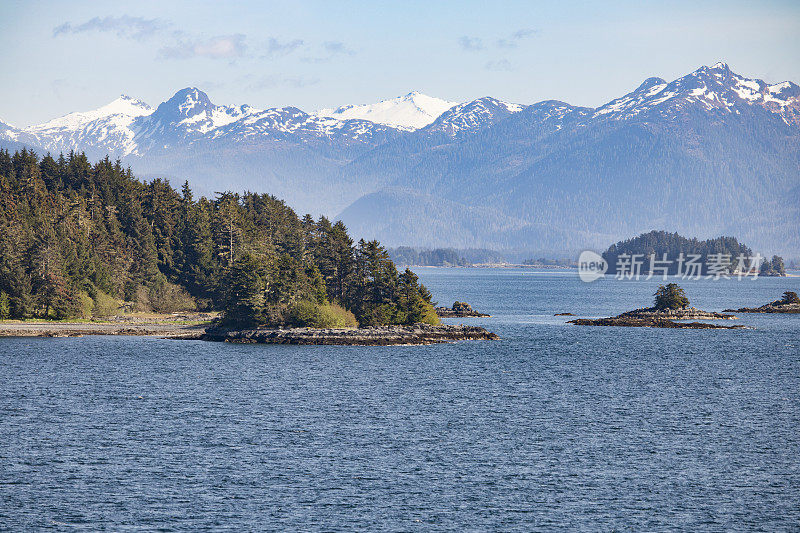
x=789, y=304
x=416, y=334
x=687, y=313
x=670, y=306
x=459, y=310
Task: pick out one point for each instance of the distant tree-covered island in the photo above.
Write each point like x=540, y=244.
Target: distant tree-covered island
x=727, y=253
x=407, y=255
x=81, y=240
x=544, y=262
x=444, y=257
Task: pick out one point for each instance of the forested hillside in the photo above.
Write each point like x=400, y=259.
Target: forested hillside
x=84, y=240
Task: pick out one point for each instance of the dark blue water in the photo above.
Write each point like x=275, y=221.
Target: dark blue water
x=553, y=427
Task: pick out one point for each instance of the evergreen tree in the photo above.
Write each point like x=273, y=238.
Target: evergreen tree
x=243, y=299
x=670, y=296
x=414, y=301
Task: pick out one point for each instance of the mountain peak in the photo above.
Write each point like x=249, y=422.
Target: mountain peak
x=410, y=112
x=184, y=104
x=649, y=83
x=122, y=110
x=191, y=99
x=719, y=71
x=126, y=105
x=473, y=116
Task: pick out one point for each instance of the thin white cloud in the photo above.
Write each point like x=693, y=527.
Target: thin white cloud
x=512, y=41
x=137, y=28
x=330, y=49
x=277, y=48
x=470, y=44
x=218, y=47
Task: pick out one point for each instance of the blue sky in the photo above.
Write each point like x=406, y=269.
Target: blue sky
x=70, y=56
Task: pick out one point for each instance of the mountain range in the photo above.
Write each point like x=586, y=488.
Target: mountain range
x=710, y=153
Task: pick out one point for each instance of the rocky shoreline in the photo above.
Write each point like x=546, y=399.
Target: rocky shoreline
x=374, y=336
x=417, y=334
x=79, y=329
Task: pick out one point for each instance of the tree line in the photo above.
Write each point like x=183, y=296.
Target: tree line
x=83, y=240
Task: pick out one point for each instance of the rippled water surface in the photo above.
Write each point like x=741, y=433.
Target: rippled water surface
x=553, y=427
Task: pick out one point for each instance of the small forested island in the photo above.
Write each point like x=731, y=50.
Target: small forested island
x=544, y=262
x=444, y=257
x=670, y=304
x=459, y=310
x=775, y=267
x=789, y=304
x=90, y=241
x=726, y=252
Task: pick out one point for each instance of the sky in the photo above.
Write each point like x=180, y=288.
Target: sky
x=64, y=56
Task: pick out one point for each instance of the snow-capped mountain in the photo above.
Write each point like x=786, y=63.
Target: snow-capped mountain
x=290, y=122
x=410, y=112
x=129, y=127
x=713, y=88
x=109, y=128
x=470, y=117
x=191, y=111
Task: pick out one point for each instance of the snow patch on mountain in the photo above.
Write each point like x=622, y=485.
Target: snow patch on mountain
x=7, y=131
x=410, y=112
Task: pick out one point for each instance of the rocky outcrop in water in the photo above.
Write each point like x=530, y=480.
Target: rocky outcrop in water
x=648, y=323
x=458, y=310
x=687, y=313
x=371, y=336
x=768, y=308
x=790, y=304
x=660, y=318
